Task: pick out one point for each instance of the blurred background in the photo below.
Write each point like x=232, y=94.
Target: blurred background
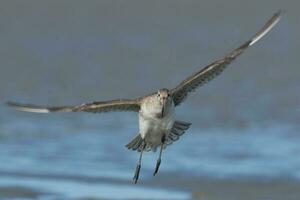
x=244, y=141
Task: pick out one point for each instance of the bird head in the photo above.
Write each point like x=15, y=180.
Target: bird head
x=164, y=98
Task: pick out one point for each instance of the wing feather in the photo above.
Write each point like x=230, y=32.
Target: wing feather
x=209, y=72
x=95, y=107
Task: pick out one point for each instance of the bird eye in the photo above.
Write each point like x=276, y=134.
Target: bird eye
x=158, y=95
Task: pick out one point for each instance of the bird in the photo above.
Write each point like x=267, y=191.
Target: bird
x=157, y=126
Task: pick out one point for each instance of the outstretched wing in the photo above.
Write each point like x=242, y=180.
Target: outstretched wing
x=95, y=107
x=214, y=69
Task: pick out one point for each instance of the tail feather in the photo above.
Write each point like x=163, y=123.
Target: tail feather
x=180, y=125
x=173, y=137
x=135, y=143
x=177, y=130
x=175, y=133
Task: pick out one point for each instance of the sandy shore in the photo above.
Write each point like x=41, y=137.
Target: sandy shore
x=12, y=192
x=198, y=188
x=245, y=189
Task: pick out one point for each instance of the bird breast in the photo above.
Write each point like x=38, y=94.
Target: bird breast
x=151, y=124
x=152, y=108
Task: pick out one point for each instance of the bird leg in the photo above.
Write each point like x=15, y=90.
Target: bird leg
x=138, y=166
x=160, y=152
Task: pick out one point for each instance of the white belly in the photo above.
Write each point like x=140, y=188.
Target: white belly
x=152, y=128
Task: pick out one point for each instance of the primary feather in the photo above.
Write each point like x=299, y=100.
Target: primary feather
x=212, y=70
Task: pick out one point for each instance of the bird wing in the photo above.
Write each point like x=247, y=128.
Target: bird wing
x=95, y=107
x=209, y=72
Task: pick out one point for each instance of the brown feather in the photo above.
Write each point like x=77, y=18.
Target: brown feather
x=209, y=72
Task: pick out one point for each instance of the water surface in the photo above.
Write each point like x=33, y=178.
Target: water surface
x=245, y=123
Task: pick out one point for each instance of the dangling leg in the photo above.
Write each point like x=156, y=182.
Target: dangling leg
x=138, y=167
x=163, y=139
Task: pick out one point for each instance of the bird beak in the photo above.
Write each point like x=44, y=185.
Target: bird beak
x=163, y=111
x=163, y=107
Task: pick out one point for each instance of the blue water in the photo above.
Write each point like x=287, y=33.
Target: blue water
x=59, y=153
x=245, y=124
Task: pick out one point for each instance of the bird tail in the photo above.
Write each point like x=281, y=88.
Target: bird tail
x=136, y=143
x=177, y=130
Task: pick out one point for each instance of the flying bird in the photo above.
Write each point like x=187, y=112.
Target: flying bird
x=157, y=126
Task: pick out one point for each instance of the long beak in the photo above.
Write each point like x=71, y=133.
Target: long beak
x=163, y=108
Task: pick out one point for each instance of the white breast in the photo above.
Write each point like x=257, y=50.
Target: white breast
x=151, y=127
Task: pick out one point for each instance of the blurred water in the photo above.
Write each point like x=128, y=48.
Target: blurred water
x=245, y=123
x=100, y=152
x=57, y=156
